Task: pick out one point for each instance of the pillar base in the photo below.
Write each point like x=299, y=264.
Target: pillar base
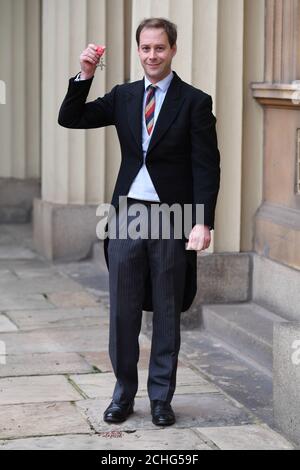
x=277, y=234
x=64, y=231
x=16, y=196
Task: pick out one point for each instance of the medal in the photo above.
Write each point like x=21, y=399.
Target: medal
x=100, y=51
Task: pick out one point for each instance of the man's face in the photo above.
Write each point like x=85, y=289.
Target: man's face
x=155, y=53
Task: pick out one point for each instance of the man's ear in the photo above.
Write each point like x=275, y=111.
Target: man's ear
x=174, y=48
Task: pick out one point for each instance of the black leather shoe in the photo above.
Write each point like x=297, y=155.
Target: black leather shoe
x=117, y=412
x=162, y=413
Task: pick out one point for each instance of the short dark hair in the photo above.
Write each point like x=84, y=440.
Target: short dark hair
x=169, y=27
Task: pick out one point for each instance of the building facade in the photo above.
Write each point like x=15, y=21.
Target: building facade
x=244, y=53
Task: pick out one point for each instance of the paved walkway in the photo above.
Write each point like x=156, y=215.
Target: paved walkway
x=56, y=377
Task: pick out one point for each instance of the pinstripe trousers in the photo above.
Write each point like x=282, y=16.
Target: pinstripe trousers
x=130, y=263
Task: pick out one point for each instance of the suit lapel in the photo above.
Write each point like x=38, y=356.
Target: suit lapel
x=169, y=110
x=134, y=111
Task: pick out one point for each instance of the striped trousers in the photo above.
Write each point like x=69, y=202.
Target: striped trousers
x=130, y=262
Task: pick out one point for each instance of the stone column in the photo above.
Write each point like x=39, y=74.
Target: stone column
x=74, y=161
x=115, y=73
x=20, y=115
x=229, y=113
x=253, y=124
x=277, y=233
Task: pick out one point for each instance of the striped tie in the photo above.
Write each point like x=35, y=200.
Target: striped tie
x=150, y=108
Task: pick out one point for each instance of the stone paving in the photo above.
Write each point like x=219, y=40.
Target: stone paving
x=56, y=377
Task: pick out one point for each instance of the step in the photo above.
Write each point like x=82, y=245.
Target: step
x=247, y=327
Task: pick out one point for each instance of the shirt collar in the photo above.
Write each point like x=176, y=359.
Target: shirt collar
x=163, y=85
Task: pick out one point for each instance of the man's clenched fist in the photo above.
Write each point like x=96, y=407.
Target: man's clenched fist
x=89, y=60
x=199, y=238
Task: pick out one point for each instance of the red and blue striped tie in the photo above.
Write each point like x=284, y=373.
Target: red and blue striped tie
x=150, y=108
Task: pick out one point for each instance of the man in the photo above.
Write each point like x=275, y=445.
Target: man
x=170, y=155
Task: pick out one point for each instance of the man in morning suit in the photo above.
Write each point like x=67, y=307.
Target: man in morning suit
x=169, y=155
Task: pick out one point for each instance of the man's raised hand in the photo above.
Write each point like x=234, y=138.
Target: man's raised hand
x=89, y=59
